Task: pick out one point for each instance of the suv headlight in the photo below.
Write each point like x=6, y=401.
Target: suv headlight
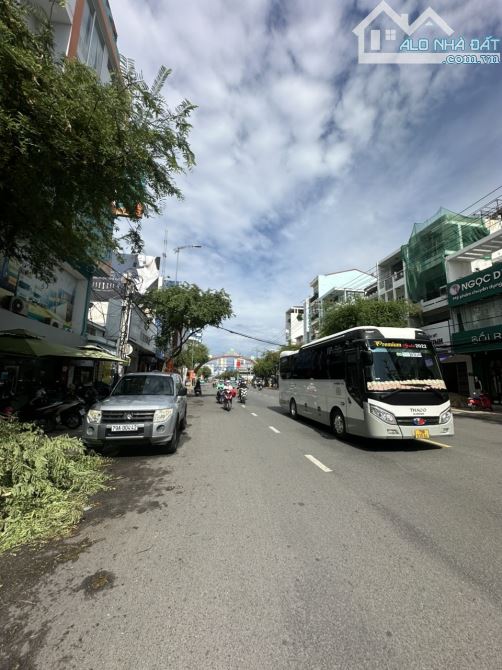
x=94, y=416
x=162, y=414
x=382, y=414
x=445, y=416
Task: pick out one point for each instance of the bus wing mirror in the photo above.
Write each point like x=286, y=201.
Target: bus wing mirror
x=366, y=358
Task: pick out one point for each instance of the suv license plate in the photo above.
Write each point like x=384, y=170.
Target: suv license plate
x=422, y=434
x=124, y=428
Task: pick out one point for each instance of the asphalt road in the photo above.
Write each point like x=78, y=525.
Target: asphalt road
x=240, y=552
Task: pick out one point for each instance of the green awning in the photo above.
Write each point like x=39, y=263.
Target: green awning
x=24, y=343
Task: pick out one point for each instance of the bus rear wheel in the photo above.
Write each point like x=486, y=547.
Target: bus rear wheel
x=293, y=412
x=338, y=423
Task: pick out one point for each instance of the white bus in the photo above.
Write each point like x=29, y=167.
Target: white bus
x=375, y=382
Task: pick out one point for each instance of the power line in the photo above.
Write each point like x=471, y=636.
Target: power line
x=249, y=337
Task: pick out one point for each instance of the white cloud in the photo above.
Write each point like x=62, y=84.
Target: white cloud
x=306, y=162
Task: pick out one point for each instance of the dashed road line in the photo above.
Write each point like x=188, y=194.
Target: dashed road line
x=318, y=463
x=253, y=414
x=274, y=429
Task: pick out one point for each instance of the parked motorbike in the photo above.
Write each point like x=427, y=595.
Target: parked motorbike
x=72, y=412
x=41, y=411
x=197, y=389
x=7, y=409
x=480, y=401
x=227, y=400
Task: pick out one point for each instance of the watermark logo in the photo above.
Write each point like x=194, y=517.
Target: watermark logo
x=455, y=289
x=385, y=36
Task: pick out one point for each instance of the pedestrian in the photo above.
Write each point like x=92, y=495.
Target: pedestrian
x=478, y=386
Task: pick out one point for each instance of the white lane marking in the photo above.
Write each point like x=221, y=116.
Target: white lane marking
x=253, y=414
x=318, y=463
x=274, y=429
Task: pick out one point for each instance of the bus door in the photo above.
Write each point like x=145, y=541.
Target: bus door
x=354, y=381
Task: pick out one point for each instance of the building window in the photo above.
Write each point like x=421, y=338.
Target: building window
x=91, y=45
x=84, y=40
x=390, y=35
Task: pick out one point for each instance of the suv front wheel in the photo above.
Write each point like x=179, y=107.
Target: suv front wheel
x=172, y=446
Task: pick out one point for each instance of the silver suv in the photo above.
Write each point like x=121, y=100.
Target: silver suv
x=143, y=408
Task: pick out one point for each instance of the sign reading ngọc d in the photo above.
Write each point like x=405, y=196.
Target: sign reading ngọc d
x=476, y=286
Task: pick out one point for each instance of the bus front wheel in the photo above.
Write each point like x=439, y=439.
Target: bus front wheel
x=293, y=412
x=338, y=423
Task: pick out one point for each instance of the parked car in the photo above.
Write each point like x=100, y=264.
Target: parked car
x=147, y=408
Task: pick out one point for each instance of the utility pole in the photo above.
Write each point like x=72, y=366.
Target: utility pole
x=125, y=319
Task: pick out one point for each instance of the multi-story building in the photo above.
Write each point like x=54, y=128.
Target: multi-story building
x=83, y=29
x=294, y=325
x=474, y=293
x=329, y=290
x=391, y=277
x=424, y=259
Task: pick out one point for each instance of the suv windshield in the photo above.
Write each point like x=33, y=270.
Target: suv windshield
x=404, y=366
x=144, y=385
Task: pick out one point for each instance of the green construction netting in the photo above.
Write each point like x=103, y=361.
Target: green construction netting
x=441, y=235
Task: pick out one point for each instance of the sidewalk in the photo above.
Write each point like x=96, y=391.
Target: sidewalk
x=495, y=416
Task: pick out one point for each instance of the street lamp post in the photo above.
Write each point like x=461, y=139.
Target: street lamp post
x=177, y=252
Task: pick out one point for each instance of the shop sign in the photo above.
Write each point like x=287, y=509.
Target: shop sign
x=479, y=337
x=476, y=286
x=439, y=333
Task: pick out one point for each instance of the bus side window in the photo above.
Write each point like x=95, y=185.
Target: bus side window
x=318, y=367
x=335, y=363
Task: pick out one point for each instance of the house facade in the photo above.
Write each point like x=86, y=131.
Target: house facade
x=294, y=325
x=329, y=290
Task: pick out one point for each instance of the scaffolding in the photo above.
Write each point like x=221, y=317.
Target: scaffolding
x=430, y=241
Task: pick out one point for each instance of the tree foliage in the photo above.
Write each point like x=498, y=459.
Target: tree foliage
x=361, y=312
x=45, y=482
x=71, y=145
x=267, y=365
x=184, y=310
x=193, y=355
x=205, y=372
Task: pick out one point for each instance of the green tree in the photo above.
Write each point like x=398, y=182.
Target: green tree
x=361, y=312
x=183, y=311
x=70, y=146
x=193, y=355
x=205, y=372
x=267, y=364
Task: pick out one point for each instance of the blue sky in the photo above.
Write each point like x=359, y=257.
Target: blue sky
x=307, y=162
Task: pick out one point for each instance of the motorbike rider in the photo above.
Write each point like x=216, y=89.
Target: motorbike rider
x=242, y=388
x=219, y=390
x=228, y=391
x=197, y=388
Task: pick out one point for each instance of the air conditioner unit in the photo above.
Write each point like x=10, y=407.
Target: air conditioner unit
x=16, y=305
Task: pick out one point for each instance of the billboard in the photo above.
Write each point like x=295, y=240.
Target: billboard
x=22, y=294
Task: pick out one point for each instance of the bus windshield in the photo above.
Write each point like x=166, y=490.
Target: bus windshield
x=403, y=365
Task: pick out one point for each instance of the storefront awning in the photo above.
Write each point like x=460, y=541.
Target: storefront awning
x=24, y=343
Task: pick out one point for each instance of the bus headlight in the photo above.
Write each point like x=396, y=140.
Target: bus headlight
x=445, y=416
x=94, y=416
x=382, y=414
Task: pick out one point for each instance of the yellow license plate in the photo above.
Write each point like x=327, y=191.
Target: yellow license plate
x=422, y=434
